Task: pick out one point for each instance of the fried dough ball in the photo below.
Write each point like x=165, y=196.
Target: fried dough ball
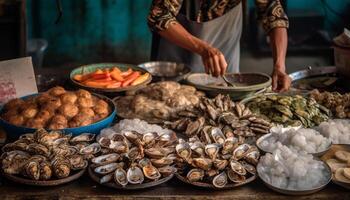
x=80, y=120
x=16, y=120
x=68, y=110
x=44, y=98
x=57, y=91
x=58, y=122
x=45, y=115
x=101, y=102
x=85, y=102
x=35, y=123
x=83, y=93
x=69, y=97
x=13, y=104
x=52, y=104
x=29, y=112
x=87, y=111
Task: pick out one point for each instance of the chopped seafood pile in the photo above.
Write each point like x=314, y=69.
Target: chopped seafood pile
x=135, y=158
x=221, y=115
x=289, y=110
x=291, y=170
x=158, y=101
x=217, y=160
x=338, y=103
x=302, y=139
x=337, y=130
x=48, y=155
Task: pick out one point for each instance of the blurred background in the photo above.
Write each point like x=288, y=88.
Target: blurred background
x=66, y=33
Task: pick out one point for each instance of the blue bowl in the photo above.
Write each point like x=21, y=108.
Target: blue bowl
x=15, y=131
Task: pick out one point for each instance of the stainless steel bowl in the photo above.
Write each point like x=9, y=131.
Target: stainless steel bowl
x=299, y=192
x=262, y=138
x=166, y=71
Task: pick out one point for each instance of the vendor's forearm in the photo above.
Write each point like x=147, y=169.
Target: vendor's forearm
x=177, y=34
x=279, y=41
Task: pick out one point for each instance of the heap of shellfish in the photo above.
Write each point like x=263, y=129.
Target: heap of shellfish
x=133, y=158
x=220, y=115
x=47, y=155
x=226, y=160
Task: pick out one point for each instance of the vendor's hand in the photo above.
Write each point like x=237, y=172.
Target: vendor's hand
x=280, y=80
x=214, y=61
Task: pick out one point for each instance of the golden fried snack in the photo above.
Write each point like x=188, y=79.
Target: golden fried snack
x=45, y=115
x=44, y=98
x=16, y=120
x=69, y=97
x=101, y=102
x=13, y=104
x=101, y=109
x=87, y=111
x=58, y=122
x=35, y=123
x=56, y=91
x=80, y=120
x=6, y=116
x=29, y=112
x=68, y=110
x=52, y=104
x=85, y=102
x=83, y=93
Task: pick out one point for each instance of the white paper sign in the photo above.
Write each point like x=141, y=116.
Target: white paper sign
x=17, y=79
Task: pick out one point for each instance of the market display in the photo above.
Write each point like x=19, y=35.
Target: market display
x=46, y=155
x=290, y=170
x=111, y=78
x=339, y=104
x=130, y=157
x=158, y=101
x=56, y=109
x=337, y=130
x=289, y=110
x=220, y=115
x=299, y=139
x=218, y=160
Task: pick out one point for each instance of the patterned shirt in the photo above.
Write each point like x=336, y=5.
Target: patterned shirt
x=163, y=12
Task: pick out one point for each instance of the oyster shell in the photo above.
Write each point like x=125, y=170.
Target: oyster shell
x=198, y=149
x=120, y=177
x=32, y=169
x=35, y=148
x=217, y=135
x=106, y=159
x=13, y=161
x=151, y=172
x=167, y=170
x=249, y=168
x=220, y=180
x=149, y=138
x=106, y=178
x=166, y=139
x=156, y=152
x=45, y=170
x=135, y=175
x=163, y=161
x=234, y=177
x=195, y=175
x=237, y=167
x=133, y=137
x=240, y=151
x=84, y=137
x=229, y=145
x=119, y=147
x=253, y=157
x=91, y=149
x=77, y=162
x=183, y=150
x=202, y=163
x=104, y=142
x=64, y=150
x=212, y=150
x=134, y=153
x=220, y=164
x=106, y=169
x=61, y=167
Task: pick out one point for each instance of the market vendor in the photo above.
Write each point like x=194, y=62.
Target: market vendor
x=207, y=33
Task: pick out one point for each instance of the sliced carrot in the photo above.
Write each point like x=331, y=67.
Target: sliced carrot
x=115, y=69
x=114, y=85
x=140, y=79
x=129, y=79
x=98, y=71
x=126, y=73
x=78, y=77
x=116, y=75
x=104, y=75
x=96, y=84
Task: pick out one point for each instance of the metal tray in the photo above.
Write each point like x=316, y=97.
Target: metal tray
x=53, y=182
x=130, y=187
x=299, y=192
x=258, y=141
x=330, y=154
x=166, y=71
x=211, y=186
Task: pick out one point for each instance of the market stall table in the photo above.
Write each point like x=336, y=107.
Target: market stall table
x=86, y=188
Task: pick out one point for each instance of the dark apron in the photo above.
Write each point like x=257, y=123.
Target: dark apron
x=222, y=33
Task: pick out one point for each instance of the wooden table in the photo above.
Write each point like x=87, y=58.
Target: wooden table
x=86, y=188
